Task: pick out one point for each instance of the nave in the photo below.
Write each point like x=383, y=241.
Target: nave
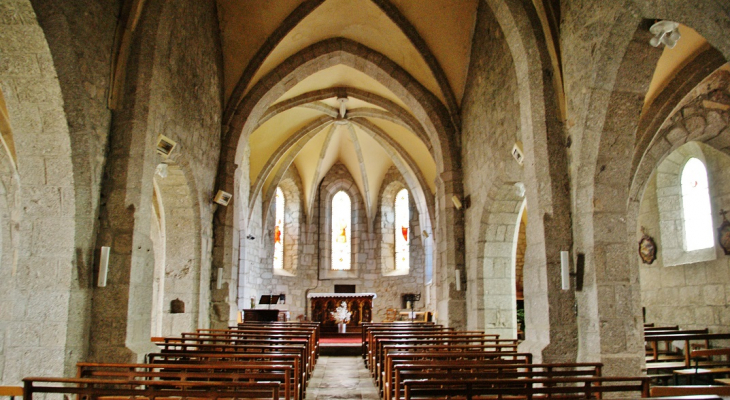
x=274, y=360
x=342, y=378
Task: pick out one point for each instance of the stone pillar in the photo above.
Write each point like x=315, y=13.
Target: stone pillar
x=450, y=248
x=226, y=240
x=121, y=311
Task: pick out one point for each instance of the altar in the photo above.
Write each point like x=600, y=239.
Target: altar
x=359, y=304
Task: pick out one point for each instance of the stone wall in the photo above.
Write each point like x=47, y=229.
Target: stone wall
x=490, y=127
x=689, y=289
x=80, y=35
x=366, y=238
x=37, y=272
x=172, y=88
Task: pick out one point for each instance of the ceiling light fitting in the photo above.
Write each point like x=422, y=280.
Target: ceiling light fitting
x=665, y=32
x=343, y=106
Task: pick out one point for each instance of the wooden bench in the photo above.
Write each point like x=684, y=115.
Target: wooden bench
x=369, y=330
x=705, y=364
x=11, y=391
x=208, y=372
x=256, y=346
x=654, y=353
x=378, y=340
x=238, y=336
x=693, y=390
x=588, y=387
x=145, y=389
x=489, y=370
x=429, y=348
x=293, y=359
x=424, y=360
x=687, y=338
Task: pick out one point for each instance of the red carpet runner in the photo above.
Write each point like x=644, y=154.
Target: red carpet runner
x=341, y=340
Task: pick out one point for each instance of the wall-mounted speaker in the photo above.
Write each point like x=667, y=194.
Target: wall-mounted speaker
x=222, y=197
x=517, y=153
x=580, y=265
x=103, y=266
x=565, y=270
x=165, y=145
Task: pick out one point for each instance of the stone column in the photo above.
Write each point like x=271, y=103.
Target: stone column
x=226, y=240
x=450, y=251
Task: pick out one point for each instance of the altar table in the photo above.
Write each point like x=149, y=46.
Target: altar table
x=359, y=304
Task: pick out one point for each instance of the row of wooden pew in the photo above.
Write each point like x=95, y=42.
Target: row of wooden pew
x=685, y=353
x=409, y=361
x=427, y=361
x=254, y=360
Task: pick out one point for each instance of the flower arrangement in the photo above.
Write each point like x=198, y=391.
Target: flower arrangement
x=341, y=315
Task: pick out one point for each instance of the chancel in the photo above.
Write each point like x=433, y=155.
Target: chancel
x=548, y=176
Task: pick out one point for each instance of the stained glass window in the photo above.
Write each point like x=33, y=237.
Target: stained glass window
x=696, y=208
x=402, y=231
x=341, y=218
x=279, y=230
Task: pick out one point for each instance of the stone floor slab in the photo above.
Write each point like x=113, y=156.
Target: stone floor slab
x=341, y=378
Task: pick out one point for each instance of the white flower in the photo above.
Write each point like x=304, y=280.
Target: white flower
x=341, y=315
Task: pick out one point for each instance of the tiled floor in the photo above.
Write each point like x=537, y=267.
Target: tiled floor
x=341, y=378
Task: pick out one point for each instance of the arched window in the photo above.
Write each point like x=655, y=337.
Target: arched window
x=402, y=231
x=697, y=213
x=341, y=218
x=279, y=230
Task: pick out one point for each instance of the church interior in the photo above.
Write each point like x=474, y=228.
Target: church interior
x=545, y=170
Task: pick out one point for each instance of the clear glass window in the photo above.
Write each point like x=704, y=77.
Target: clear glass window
x=402, y=231
x=696, y=209
x=279, y=204
x=341, y=218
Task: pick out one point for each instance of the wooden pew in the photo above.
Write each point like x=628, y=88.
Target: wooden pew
x=650, y=336
x=705, y=365
x=426, y=347
x=693, y=390
x=286, y=358
x=11, y=391
x=168, y=389
x=249, y=346
x=367, y=331
x=282, y=325
x=687, y=338
x=582, y=387
x=377, y=342
x=208, y=372
x=274, y=335
x=424, y=361
x=457, y=370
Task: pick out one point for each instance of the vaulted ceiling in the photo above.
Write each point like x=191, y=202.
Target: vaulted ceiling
x=341, y=114
x=430, y=40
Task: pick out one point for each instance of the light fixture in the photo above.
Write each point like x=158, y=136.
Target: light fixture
x=222, y=197
x=456, y=201
x=665, y=32
x=343, y=106
x=161, y=170
x=425, y=234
